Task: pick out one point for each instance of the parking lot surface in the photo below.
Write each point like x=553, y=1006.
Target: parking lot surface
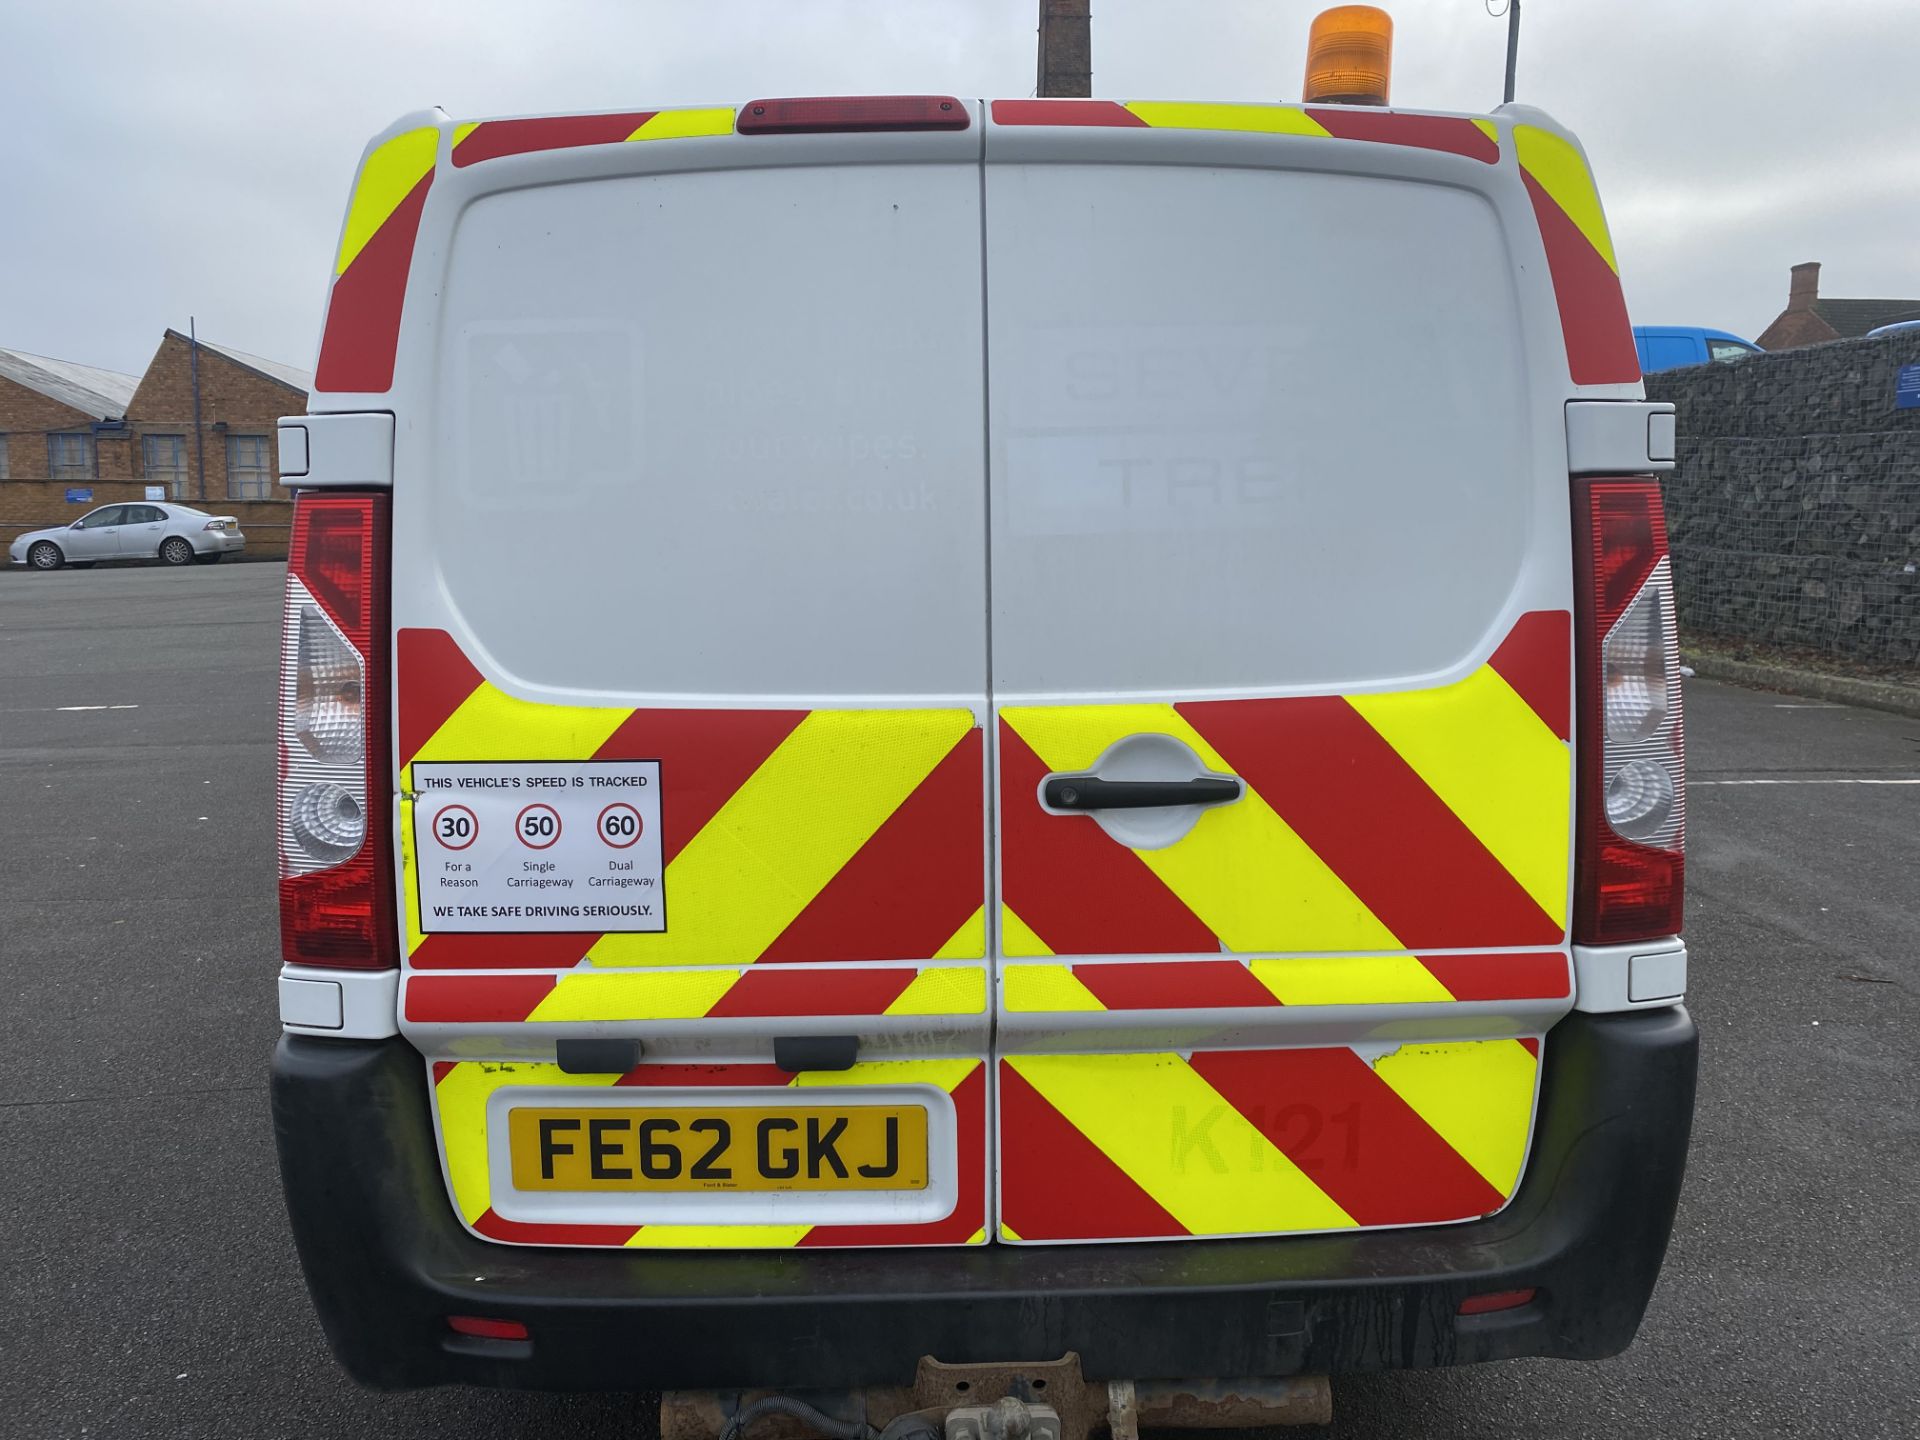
x=148, y=1286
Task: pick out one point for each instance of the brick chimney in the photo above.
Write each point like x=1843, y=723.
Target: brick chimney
x=1804, y=288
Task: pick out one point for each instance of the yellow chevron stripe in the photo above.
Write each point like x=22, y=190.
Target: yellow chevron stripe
x=1180, y=1141
x=648, y=995
x=409, y=912
x=1350, y=980
x=1044, y=988
x=1490, y=130
x=788, y=831
x=460, y=1100
x=1477, y=1094
x=1494, y=763
x=1017, y=937
x=969, y=942
x=462, y=130
x=944, y=1074
x=493, y=725
x=386, y=178
x=1561, y=170
x=1251, y=880
x=1007, y=1232
x=1264, y=119
x=944, y=990
x=684, y=124
x=717, y=1237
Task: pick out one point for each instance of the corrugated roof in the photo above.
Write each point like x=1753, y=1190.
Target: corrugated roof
x=103, y=394
x=300, y=380
x=1854, y=318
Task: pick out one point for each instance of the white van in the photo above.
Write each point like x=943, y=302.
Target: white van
x=905, y=745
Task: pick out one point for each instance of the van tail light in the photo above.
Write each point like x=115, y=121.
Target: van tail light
x=336, y=847
x=1630, y=862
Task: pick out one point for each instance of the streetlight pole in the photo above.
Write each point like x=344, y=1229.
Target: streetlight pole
x=1513, y=44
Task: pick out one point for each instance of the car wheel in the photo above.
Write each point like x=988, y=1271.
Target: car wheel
x=177, y=550
x=212, y=557
x=46, y=556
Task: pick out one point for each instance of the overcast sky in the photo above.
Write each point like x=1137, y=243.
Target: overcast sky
x=193, y=156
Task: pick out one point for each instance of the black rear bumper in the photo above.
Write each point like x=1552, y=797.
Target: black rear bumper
x=387, y=1261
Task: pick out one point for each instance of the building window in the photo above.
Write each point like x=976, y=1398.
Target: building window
x=70, y=457
x=249, y=467
x=3, y=458
x=163, y=458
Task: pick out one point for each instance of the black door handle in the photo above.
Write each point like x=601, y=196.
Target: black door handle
x=1090, y=792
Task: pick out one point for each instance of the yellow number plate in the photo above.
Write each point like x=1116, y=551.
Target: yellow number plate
x=849, y=1147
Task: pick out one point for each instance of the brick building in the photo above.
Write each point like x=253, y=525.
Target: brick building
x=1811, y=320
x=73, y=437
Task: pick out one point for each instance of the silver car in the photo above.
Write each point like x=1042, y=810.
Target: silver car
x=141, y=530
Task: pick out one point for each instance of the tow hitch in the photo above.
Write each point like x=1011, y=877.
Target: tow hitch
x=1048, y=1400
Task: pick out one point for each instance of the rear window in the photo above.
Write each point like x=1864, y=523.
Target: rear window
x=1251, y=427
x=715, y=433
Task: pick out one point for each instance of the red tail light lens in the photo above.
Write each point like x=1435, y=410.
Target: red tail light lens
x=336, y=849
x=1630, y=861
x=485, y=1328
x=1496, y=1300
x=825, y=114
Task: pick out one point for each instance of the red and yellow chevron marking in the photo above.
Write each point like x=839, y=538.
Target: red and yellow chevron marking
x=461, y=1091
x=1475, y=139
x=362, y=331
x=789, y=836
x=479, y=140
x=1421, y=820
x=370, y=272
x=1261, y=1142
x=711, y=994
x=1586, y=277
x=1304, y=980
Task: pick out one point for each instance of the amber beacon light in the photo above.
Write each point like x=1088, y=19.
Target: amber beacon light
x=1349, y=56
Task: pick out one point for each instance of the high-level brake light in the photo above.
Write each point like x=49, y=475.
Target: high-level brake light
x=1349, y=56
x=1630, y=862
x=336, y=854
x=824, y=114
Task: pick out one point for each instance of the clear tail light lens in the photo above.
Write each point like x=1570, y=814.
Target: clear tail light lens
x=1630, y=864
x=336, y=871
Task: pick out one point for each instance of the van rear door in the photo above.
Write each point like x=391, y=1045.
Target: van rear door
x=690, y=615
x=1281, y=592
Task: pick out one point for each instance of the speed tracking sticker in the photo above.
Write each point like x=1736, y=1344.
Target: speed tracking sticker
x=546, y=846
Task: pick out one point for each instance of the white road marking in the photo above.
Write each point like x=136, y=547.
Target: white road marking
x=96, y=707
x=1806, y=782
x=1809, y=707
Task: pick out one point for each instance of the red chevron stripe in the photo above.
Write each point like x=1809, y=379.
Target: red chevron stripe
x=1350, y=1134
x=475, y=999
x=434, y=678
x=491, y=139
x=1536, y=659
x=970, y=1201
x=1428, y=132
x=1055, y=1184
x=501, y=952
x=911, y=886
x=1064, y=112
x=1364, y=811
x=705, y=757
x=1080, y=891
x=1541, y=976
x=522, y=1232
x=1174, y=985
x=700, y=1075
x=813, y=992
x=363, y=312
x=1593, y=311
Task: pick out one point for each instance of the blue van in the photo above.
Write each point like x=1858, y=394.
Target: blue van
x=1668, y=347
